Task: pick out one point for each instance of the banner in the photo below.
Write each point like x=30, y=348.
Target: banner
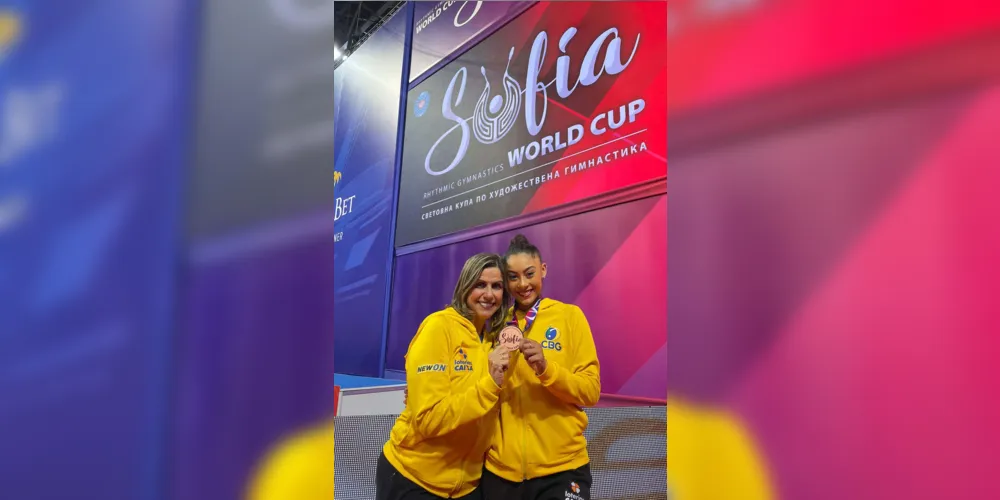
x=564, y=103
x=441, y=28
x=592, y=260
x=366, y=123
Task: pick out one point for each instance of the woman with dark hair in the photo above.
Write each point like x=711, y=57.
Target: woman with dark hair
x=453, y=381
x=539, y=451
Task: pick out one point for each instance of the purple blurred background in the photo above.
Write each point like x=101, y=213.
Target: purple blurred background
x=832, y=220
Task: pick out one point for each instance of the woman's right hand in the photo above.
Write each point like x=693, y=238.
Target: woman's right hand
x=499, y=361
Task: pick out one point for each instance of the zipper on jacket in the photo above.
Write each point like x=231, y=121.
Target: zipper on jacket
x=465, y=458
x=524, y=435
x=461, y=478
x=479, y=435
x=524, y=425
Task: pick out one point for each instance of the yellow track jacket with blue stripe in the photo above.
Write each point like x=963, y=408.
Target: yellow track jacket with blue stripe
x=441, y=438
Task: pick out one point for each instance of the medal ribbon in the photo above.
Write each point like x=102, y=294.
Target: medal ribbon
x=529, y=318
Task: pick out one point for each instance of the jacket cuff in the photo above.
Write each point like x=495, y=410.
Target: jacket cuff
x=489, y=388
x=551, y=373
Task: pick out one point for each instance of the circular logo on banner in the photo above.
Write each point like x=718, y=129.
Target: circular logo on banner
x=510, y=337
x=423, y=102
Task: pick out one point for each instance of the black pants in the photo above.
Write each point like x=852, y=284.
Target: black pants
x=391, y=485
x=572, y=484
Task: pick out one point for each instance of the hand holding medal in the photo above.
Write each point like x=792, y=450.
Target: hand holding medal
x=510, y=337
x=513, y=339
x=499, y=360
x=534, y=355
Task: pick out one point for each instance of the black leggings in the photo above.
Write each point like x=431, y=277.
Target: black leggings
x=572, y=484
x=391, y=485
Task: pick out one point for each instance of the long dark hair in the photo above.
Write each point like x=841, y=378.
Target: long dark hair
x=471, y=271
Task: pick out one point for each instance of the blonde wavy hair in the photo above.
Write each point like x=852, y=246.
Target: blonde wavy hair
x=467, y=280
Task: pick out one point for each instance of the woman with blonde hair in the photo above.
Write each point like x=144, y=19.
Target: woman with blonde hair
x=454, y=378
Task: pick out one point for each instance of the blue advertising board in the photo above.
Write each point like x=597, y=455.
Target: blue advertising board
x=366, y=121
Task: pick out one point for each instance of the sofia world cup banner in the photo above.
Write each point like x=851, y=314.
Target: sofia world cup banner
x=566, y=102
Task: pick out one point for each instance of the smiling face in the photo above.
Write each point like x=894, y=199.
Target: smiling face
x=486, y=295
x=524, y=278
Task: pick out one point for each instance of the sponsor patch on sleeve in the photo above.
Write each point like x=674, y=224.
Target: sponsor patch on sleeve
x=436, y=367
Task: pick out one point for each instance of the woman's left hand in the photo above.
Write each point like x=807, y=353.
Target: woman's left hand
x=533, y=354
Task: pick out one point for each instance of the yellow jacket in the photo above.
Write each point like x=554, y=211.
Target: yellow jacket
x=713, y=455
x=299, y=468
x=441, y=437
x=540, y=431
